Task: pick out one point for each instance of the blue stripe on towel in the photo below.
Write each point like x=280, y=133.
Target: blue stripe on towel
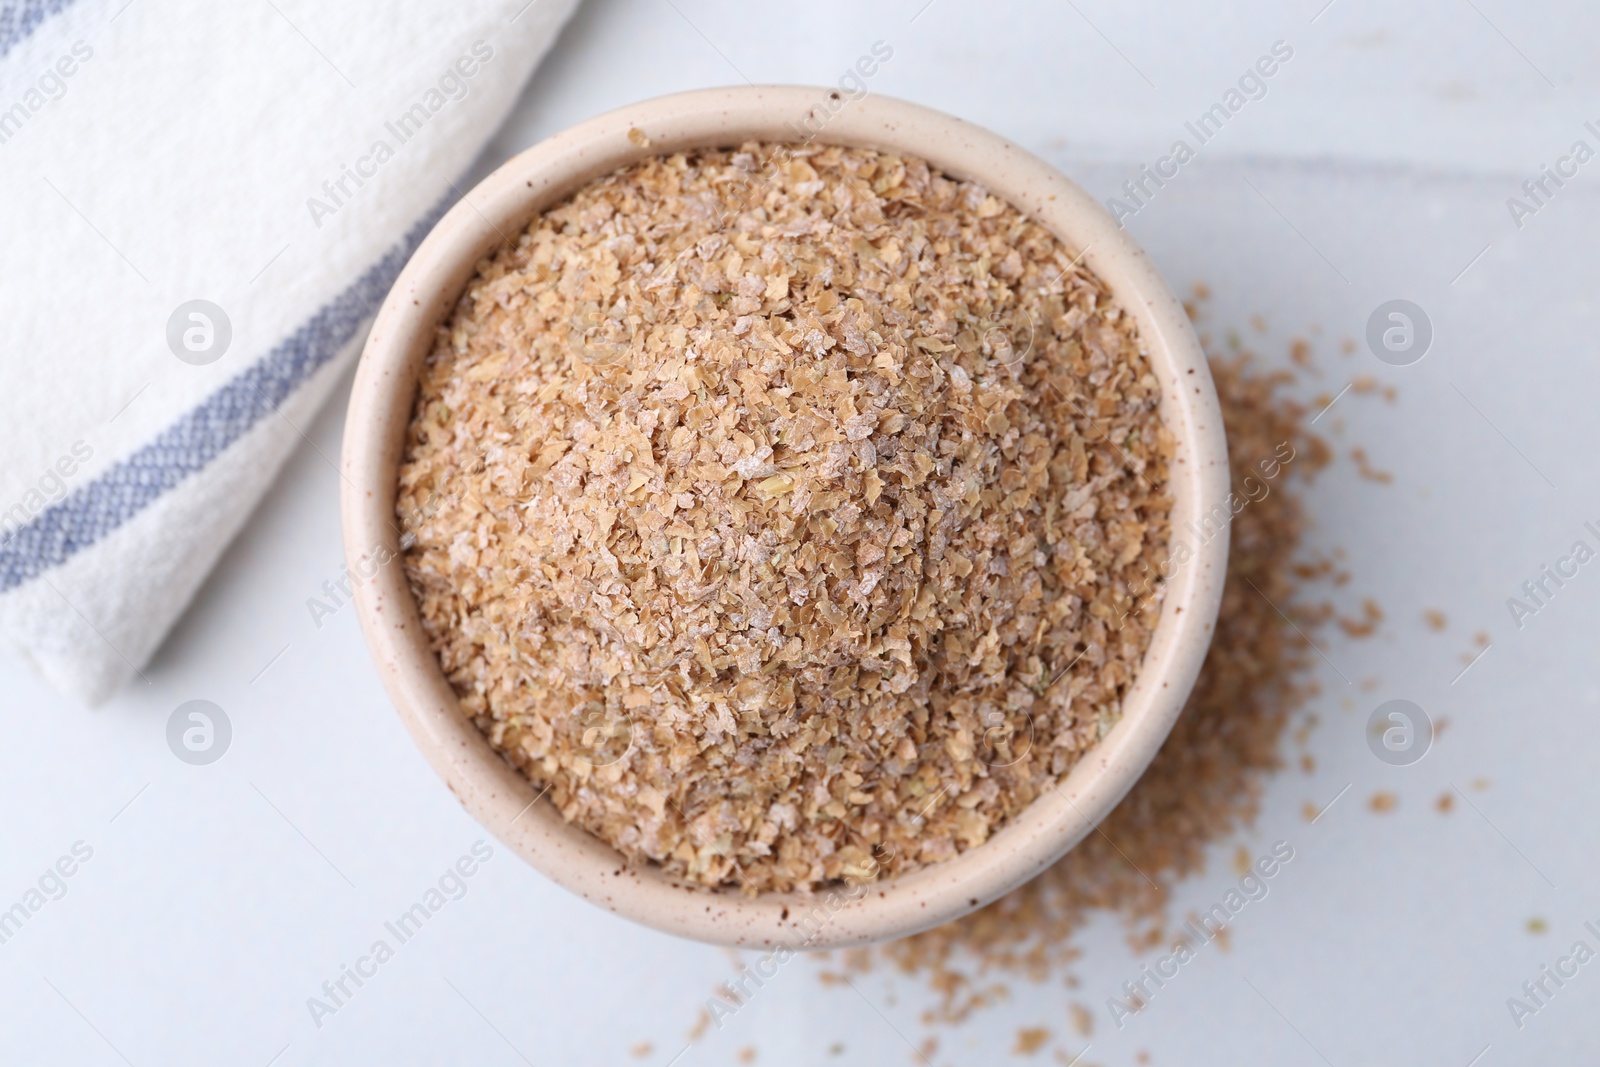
x=128, y=487
x=21, y=17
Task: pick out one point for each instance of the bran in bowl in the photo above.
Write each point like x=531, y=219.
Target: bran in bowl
x=787, y=514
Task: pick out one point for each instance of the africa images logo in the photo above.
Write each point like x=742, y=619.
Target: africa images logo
x=453, y=84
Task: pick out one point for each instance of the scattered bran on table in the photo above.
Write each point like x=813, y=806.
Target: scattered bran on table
x=785, y=512
x=1204, y=784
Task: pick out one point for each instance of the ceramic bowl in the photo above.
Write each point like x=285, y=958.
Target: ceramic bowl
x=505, y=802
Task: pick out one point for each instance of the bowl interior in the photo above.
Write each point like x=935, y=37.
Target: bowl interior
x=505, y=802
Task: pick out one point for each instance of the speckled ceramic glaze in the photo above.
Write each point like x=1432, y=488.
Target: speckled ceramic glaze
x=504, y=801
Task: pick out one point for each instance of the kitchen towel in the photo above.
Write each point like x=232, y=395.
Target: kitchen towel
x=203, y=206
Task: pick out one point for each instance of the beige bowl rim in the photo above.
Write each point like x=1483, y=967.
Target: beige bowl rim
x=505, y=802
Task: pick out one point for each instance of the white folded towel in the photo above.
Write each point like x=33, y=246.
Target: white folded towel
x=204, y=204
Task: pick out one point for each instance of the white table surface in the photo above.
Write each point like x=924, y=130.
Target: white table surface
x=219, y=898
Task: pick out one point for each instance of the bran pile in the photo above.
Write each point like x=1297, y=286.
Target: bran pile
x=785, y=511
